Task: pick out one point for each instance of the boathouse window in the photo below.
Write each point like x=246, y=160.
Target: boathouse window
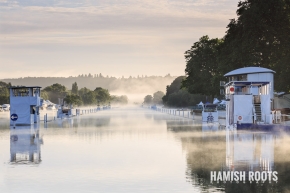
x=238, y=78
x=25, y=92
x=242, y=77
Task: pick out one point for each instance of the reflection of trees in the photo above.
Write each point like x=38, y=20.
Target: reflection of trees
x=207, y=151
x=79, y=122
x=94, y=122
x=204, y=154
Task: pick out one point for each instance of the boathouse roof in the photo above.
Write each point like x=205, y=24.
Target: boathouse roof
x=21, y=87
x=248, y=70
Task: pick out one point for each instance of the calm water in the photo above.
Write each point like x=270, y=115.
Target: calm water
x=136, y=150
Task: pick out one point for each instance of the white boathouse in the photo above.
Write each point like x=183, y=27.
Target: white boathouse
x=25, y=103
x=249, y=93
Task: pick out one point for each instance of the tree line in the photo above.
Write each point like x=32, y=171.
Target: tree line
x=131, y=84
x=175, y=96
x=75, y=96
x=258, y=37
x=83, y=96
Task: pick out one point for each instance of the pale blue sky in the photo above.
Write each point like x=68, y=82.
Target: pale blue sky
x=112, y=37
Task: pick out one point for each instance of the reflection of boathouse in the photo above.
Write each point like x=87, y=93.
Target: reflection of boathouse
x=249, y=151
x=25, y=145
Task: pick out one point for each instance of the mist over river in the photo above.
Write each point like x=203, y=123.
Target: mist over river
x=132, y=149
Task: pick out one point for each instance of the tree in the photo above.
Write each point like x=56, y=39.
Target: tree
x=74, y=89
x=123, y=99
x=202, y=75
x=83, y=91
x=89, y=98
x=73, y=99
x=55, y=91
x=157, y=97
x=173, y=87
x=259, y=37
x=180, y=97
x=4, y=92
x=102, y=95
x=44, y=95
x=148, y=99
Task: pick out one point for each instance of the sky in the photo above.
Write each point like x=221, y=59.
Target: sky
x=55, y=38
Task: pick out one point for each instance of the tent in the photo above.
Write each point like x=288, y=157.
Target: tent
x=223, y=102
x=216, y=101
x=200, y=104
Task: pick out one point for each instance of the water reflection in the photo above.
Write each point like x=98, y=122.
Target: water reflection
x=81, y=122
x=25, y=144
x=250, y=151
x=137, y=151
x=211, y=148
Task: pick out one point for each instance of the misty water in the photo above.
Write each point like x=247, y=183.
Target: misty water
x=136, y=150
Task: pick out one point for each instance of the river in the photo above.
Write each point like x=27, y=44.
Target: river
x=137, y=150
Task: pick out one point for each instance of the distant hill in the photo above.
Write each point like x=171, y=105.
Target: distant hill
x=130, y=85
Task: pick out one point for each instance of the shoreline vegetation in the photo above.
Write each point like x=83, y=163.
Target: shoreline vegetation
x=94, y=89
x=75, y=96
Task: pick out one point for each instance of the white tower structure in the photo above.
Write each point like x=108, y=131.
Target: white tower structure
x=249, y=92
x=25, y=103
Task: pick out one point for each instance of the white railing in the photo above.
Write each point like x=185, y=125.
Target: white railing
x=185, y=113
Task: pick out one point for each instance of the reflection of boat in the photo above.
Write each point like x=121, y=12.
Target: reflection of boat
x=25, y=145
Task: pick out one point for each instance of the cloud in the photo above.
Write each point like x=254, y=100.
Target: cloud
x=134, y=17
x=65, y=34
